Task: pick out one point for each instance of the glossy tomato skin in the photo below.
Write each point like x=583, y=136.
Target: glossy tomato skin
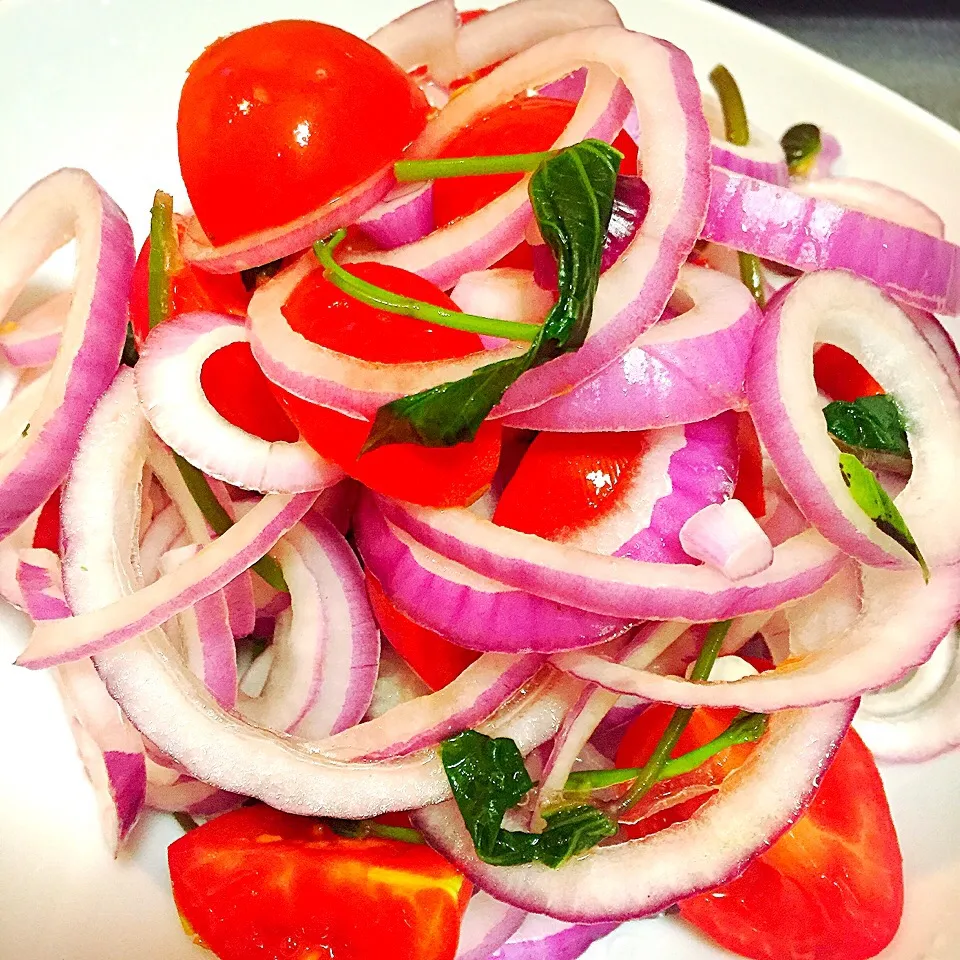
x=46, y=536
x=749, y=487
x=432, y=657
x=840, y=375
x=831, y=888
x=281, y=118
x=257, y=883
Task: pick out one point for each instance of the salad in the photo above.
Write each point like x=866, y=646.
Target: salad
x=495, y=516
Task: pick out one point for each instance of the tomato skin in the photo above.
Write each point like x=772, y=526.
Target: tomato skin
x=430, y=476
x=190, y=290
x=432, y=657
x=567, y=481
x=283, y=117
x=46, y=536
x=749, y=487
x=237, y=389
x=831, y=888
x=840, y=376
x=257, y=883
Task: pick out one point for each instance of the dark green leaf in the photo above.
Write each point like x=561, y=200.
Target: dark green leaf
x=255, y=276
x=572, y=198
x=868, y=423
x=572, y=830
x=877, y=505
x=130, y=354
x=801, y=146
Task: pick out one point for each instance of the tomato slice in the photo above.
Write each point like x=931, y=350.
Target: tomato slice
x=281, y=118
x=432, y=657
x=190, y=289
x=831, y=888
x=749, y=486
x=46, y=536
x=257, y=883
x=568, y=481
x=840, y=376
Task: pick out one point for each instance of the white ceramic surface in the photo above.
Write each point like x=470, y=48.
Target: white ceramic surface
x=94, y=83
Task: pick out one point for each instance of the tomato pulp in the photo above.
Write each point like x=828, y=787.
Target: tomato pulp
x=257, y=883
x=281, y=118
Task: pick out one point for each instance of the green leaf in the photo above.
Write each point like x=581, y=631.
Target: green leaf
x=877, y=505
x=130, y=354
x=488, y=777
x=572, y=198
x=801, y=146
x=868, y=423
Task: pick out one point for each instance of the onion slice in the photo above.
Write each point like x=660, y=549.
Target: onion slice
x=486, y=926
x=66, y=205
x=752, y=808
x=172, y=398
x=762, y=157
x=33, y=340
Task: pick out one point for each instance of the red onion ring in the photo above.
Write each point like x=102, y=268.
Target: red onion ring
x=33, y=340
x=423, y=36
x=486, y=926
x=725, y=536
x=66, y=205
x=752, y=808
x=814, y=234
x=403, y=216
x=762, y=158
x=168, y=384
x=838, y=308
x=543, y=938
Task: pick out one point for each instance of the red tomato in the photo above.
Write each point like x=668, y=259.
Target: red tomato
x=237, y=389
x=840, y=375
x=831, y=888
x=325, y=315
x=434, y=659
x=190, y=289
x=281, y=118
x=47, y=533
x=427, y=475
x=257, y=883
x=567, y=481
x=749, y=488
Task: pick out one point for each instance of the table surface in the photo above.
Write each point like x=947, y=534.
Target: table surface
x=916, y=55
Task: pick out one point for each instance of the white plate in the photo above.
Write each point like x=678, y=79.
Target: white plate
x=94, y=84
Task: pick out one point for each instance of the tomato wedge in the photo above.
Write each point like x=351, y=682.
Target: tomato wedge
x=47, y=533
x=257, y=883
x=840, y=376
x=831, y=888
x=749, y=486
x=434, y=659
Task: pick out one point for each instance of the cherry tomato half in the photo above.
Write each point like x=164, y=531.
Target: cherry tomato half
x=257, y=883
x=831, y=888
x=281, y=118
x=434, y=659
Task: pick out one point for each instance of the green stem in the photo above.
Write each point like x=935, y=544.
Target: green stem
x=395, y=303
x=737, y=130
x=266, y=567
x=358, y=829
x=164, y=258
x=407, y=171
x=751, y=276
x=801, y=146
x=652, y=769
x=187, y=823
x=745, y=728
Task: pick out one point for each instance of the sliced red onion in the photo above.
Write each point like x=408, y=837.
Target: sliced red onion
x=190, y=796
x=159, y=537
x=326, y=649
x=942, y=344
x=830, y=658
x=463, y=704
x=66, y=205
x=830, y=153
x=486, y=926
x=424, y=36
x=616, y=586
x=817, y=234
x=918, y=717
x=464, y=606
x=751, y=809
x=876, y=199
x=33, y=340
x=204, y=635
x=211, y=569
x=727, y=537
x=762, y=158
x=15, y=422
x=277, y=242
x=173, y=709
x=338, y=502
x=543, y=938
x=404, y=215
x=686, y=368
x=168, y=384
x=109, y=745
x=835, y=307
x=11, y=548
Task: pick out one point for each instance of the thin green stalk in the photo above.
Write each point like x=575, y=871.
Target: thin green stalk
x=266, y=567
x=187, y=823
x=407, y=171
x=164, y=258
x=751, y=276
x=358, y=829
x=737, y=130
x=650, y=772
x=395, y=303
x=745, y=728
